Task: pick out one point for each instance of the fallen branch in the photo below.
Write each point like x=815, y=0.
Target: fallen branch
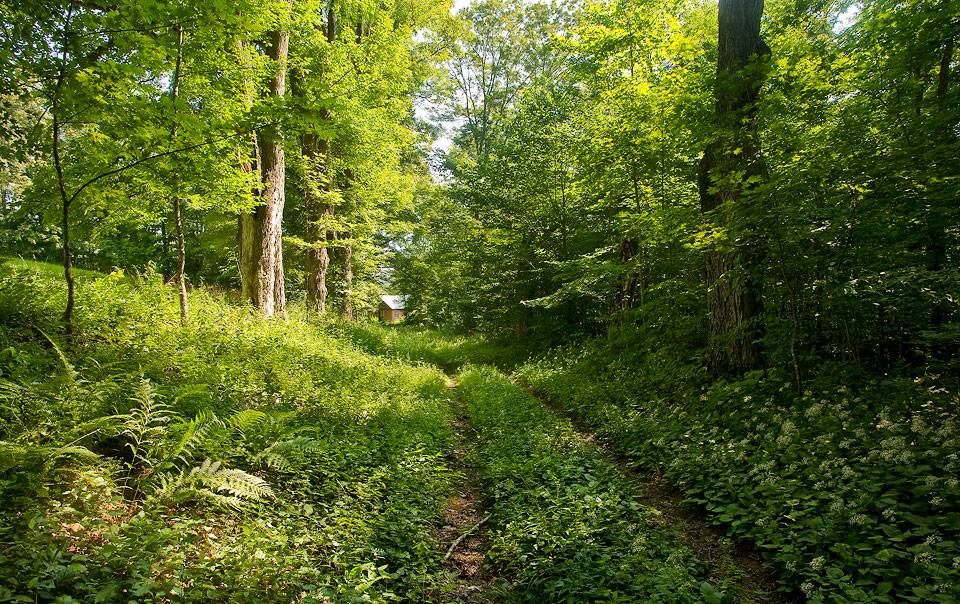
x=454, y=545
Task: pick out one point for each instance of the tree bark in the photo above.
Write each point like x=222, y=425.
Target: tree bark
x=733, y=284
x=348, y=281
x=318, y=211
x=65, y=199
x=65, y=221
x=261, y=245
x=177, y=202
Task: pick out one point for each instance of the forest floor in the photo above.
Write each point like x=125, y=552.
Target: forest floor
x=367, y=464
x=728, y=560
x=732, y=566
x=466, y=515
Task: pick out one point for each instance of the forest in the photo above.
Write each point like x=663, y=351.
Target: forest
x=474, y=301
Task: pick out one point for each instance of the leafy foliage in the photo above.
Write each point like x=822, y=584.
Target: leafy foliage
x=567, y=525
x=182, y=465
x=849, y=487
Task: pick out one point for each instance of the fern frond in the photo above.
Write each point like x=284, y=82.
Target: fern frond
x=146, y=424
x=248, y=420
x=287, y=455
x=212, y=482
x=18, y=455
x=68, y=369
x=194, y=435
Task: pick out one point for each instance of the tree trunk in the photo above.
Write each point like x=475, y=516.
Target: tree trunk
x=247, y=242
x=317, y=215
x=733, y=285
x=177, y=203
x=318, y=211
x=937, y=217
x=65, y=218
x=348, y=281
x=261, y=245
x=65, y=199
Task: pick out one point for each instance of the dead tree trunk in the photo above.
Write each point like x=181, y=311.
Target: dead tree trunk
x=730, y=167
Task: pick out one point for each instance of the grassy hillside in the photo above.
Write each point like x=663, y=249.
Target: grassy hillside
x=237, y=459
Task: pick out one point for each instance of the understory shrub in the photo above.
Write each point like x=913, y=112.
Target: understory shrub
x=236, y=459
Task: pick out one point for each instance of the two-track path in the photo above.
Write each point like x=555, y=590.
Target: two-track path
x=464, y=533
x=466, y=536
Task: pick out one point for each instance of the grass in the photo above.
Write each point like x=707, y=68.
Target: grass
x=251, y=460
x=237, y=459
x=566, y=525
x=449, y=351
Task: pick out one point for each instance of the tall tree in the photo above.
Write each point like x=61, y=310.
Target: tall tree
x=177, y=201
x=731, y=166
x=261, y=233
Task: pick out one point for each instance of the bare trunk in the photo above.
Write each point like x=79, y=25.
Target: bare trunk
x=247, y=239
x=937, y=217
x=318, y=211
x=177, y=203
x=733, y=287
x=317, y=214
x=65, y=199
x=181, y=261
x=4, y=194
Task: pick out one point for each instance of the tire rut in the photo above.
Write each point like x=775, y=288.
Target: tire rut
x=726, y=559
x=464, y=535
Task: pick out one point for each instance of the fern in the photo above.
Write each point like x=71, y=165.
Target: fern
x=211, y=482
x=27, y=456
x=248, y=420
x=146, y=425
x=69, y=371
x=196, y=432
x=287, y=455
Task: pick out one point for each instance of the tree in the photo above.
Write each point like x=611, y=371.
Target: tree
x=261, y=233
x=730, y=168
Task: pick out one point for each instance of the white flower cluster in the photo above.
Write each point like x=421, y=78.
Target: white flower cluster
x=858, y=519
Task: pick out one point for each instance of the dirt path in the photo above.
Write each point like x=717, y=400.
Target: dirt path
x=725, y=558
x=464, y=534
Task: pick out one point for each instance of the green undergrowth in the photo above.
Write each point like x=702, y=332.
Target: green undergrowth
x=566, y=526
x=851, y=487
x=236, y=459
x=447, y=350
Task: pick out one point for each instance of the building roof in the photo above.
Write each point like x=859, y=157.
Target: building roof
x=395, y=302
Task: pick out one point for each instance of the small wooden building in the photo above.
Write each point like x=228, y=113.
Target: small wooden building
x=392, y=308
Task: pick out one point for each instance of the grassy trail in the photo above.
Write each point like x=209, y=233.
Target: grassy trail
x=728, y=561
x=276, y=457
x=465, y=533
x=542, y=470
